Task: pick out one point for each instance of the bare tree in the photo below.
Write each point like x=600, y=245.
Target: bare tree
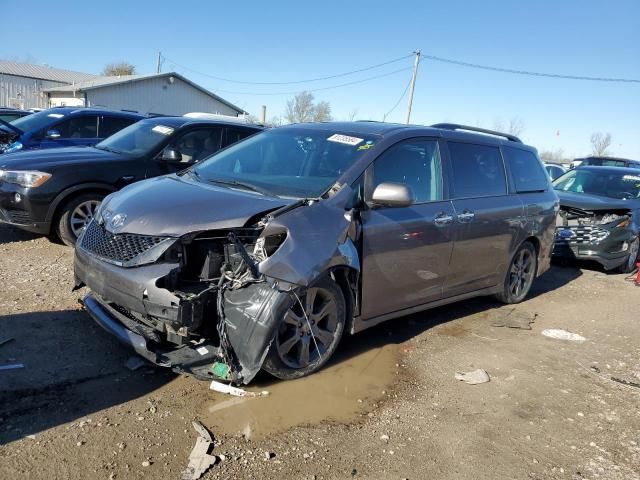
x=115, y=69
x=352, y=114
x=553, y=156
x=600, y=143
x=515, y=126
x=275, y=121
x=303, y=109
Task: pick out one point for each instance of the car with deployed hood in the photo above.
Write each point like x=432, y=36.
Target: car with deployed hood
x=599, y=216
x=62, y=127
x=56, y=191
x=268, y=252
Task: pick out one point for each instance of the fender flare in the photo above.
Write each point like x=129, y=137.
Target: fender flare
x=66, y=193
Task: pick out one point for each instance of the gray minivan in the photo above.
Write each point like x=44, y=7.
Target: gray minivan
x=267, y=252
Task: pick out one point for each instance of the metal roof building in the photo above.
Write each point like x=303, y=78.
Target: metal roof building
x=24, y=85
x=163, y=93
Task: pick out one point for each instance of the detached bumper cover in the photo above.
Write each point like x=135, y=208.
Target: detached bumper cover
x=608, y=252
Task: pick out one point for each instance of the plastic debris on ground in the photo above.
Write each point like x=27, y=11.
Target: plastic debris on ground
x=134, y=363
x=200, y=458
x=562, y=335
x=236, y=392
x=513, y=318
x=475, y=377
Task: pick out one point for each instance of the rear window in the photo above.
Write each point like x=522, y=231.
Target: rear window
x=526, y=170
x=477, y=170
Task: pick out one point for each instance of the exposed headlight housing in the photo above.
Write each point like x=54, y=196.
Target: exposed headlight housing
x=24, y=178
x=13, y=147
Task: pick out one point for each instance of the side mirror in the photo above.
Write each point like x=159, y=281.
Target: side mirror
x=171, y=155
x=389, y=194
x=52, y=134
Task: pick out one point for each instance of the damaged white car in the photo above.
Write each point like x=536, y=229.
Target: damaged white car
x=266, y=253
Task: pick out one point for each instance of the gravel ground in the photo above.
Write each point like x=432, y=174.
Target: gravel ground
x=551, y=409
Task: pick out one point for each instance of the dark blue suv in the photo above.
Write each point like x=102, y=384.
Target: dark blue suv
x=62, y=127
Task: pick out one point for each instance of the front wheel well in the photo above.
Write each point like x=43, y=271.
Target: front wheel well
x=347, y=279
x=76, y=193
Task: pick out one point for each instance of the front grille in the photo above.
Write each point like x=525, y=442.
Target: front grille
x=118, y=248
x=583, y=234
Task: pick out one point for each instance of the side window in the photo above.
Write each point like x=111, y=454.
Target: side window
x=233, y=135
x=198, y=144
x=415, y=163
x=526, y=170
x=78, y=127
x=477, y=170
x=111, y=125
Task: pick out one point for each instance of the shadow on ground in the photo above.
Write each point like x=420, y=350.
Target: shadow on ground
x=71, y=369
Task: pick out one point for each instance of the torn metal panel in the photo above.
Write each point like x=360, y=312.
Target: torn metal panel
x=325, y=236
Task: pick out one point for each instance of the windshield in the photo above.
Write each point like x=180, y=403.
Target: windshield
x=292, y=163
x=607, y=184
x=37, y=121
x=138, y=139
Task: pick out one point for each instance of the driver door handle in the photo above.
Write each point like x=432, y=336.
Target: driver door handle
x=466, y=216
x=443, y=219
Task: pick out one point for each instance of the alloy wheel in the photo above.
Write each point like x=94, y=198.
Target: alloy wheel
x=82, y=215
x=309, y=329
x=521, y=274
x=633, y=254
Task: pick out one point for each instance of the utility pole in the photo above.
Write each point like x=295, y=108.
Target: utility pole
x=413, y=84
x=159, y=62
x=263, y=115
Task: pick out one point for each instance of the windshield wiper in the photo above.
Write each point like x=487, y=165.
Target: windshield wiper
x=107, y=149
x=247, y=186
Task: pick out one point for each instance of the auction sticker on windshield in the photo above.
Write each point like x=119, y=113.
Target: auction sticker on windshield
x=346, y=139
x=163, y=130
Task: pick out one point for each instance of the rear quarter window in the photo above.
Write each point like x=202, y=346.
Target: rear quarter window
x=477, y=170
x=526, y=170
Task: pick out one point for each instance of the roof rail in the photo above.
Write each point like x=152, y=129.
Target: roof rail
x=455, y=126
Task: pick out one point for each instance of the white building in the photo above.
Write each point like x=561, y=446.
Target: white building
x=164, y=93
x=24, y=85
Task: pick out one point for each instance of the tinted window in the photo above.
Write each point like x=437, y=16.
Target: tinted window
x=78, y=127
x=526, y=171
x=234, y=135
x=477, y=170
x=415, y=163
x=198, y=144
x=111, y=125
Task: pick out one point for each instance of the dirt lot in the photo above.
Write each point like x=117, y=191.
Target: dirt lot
x=387, y=407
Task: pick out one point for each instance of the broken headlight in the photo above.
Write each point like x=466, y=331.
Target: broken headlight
x=268, y=244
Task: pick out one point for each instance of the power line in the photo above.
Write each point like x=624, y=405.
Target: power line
x=525, y=72
x=355, y=82
x=398, y=102
x=292, y=82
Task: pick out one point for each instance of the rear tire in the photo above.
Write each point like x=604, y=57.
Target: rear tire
x=305, y=340
x=76, y=214
x=520, y=275
x=630, y=263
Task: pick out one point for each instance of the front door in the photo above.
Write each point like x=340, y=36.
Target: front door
x=74, y=131
x=487, y=220
x=406, y=250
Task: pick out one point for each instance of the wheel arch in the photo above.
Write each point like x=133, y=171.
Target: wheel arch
x=348, y=279
x=67, y=194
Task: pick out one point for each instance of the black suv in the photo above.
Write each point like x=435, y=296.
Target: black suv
x=263, y=255
x=57, y=191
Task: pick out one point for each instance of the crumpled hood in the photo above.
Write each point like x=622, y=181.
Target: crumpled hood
x=53, y=157
x=176, y=205
x=587, y=201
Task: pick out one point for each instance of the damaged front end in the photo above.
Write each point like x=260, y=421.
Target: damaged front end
x=601, y=235
x=208, y=303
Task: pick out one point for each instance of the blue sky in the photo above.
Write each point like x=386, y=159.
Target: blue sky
x=291, y=40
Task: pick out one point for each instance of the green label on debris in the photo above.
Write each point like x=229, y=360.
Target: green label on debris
x=220, y=370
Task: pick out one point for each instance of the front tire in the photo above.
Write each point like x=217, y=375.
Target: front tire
x=308, y=334
x=630, y=263
x=75, y=215
x=520, y=275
